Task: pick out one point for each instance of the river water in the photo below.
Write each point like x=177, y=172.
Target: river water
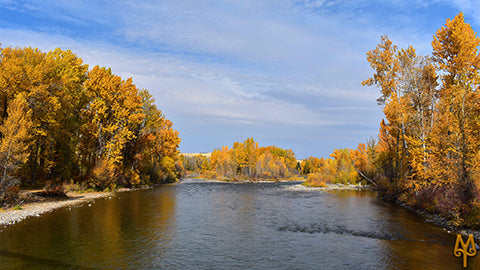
x=208, y=225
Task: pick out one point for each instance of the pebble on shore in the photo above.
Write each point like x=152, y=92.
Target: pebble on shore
x=300, y=187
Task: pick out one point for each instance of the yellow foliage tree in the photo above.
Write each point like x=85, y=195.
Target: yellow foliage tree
x=247, y=160
x=114, y=111
x=455, y=136
x=84, y=125
x=15, y=132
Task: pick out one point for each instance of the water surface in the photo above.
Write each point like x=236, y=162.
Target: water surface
x=205, y=225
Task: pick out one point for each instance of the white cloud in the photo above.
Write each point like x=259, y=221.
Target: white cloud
x=470, y=7
x=274, y=35
x=251, y=64
x=183, y=87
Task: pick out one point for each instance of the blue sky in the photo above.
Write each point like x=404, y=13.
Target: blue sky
x=286, y=72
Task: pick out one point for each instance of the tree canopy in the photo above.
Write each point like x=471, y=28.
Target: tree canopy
x=428, y=150
x=61, y=122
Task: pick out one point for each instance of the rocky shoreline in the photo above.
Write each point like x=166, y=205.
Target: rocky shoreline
x=430, y=218
x=12, y=216
x=440, y=221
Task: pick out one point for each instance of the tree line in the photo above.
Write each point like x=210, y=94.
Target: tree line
x=245, y=160
x=428, y=149
x=337, y=169
x=61, y=122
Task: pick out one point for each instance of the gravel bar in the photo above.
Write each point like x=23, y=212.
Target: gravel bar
x=300, y=187
x=11, y=216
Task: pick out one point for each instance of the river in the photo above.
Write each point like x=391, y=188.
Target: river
x=210, y=225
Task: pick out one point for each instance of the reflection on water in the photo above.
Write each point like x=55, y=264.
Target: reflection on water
x=111, y=233
x=205, y=225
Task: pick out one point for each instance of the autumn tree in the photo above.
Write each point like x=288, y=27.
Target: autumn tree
x=69, y=74
x=153, y=152
x=428, y=147
x=113, y=112
x=246, y=156
x=14, y=142
x=455, y=140
x=338, y=168
x=248, y=161
x=271, y=166
x=52, y=83
x=85, y=126
x=364, y=158
x=223, y=162
x=28, y=70
x=12, y=77
x=387, y=68
x=192, y=163
x=419, y=81
x=306, y=167
x=407, y=85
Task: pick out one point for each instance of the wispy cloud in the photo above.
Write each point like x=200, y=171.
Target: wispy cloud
x=287, y=72
x=470, y=7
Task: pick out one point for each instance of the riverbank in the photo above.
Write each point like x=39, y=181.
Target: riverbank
x=429, y=218
x=36, y=208
x=440, y=221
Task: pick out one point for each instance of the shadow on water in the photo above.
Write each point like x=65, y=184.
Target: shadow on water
x=341, y=230
x=39, y=262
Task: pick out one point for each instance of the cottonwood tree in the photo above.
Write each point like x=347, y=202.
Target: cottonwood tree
x=455, y=139
x=407, y=82
x=110, y=118
x=14, y=143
